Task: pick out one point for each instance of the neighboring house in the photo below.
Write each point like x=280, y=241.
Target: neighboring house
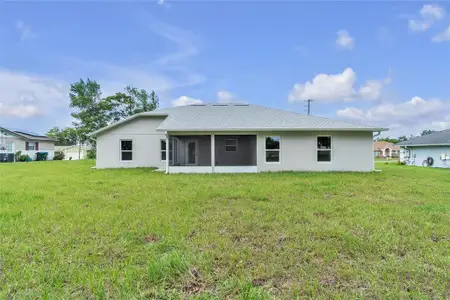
x=74, y=152
x=28, y=143
x=385, y=149
x=431, y=150
x=228, y=138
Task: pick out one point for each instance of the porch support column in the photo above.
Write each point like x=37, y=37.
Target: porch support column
x=167, y=153
x=213, y=151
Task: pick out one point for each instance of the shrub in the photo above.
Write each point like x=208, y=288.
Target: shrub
x=59, y=155
x=91, y=154
x=401, y=163
x=24, y=158
x=17, y=156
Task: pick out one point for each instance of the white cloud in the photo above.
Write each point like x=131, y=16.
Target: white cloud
x=443, y=36
x=344, y=40
x=404, y=118
x=226, y=97
x=25, y=95
x=185, y=100
x=429, y=14
x=25, y=31
x=337, y=87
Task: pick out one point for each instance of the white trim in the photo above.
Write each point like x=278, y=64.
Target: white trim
x=213, y=151
x=236, y=169
x=167, y=158
x=330, y=150
x=120, y=151
x=279, y=151
x=190, y=169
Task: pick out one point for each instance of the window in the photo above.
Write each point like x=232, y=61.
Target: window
x=9, y=148
x=231, y=145
x=31, y=146
x=272, y=149
x=126, y=150
x=164, y=150
x=324, y=148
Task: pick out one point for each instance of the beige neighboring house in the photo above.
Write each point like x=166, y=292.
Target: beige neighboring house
x=74, y=152
x=234, y=138
x=12, y=141
x=385, y=149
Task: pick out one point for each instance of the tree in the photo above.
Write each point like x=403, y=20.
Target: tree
x=85, y=98
x=402, y=138
x=67, y=136
x=427, y=131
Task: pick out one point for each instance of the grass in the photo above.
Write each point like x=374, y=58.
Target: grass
x=69, y=231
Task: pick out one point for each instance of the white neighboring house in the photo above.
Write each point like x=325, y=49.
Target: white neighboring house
x=74, y=152
x=431, y=150
x=28, y=143
x=233, y=138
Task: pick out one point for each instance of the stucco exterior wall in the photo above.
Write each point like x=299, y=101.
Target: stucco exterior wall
x=422, y=153
x=351, y=151
x=146, y=144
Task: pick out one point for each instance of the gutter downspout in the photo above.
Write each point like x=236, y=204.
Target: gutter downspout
x=374, y=136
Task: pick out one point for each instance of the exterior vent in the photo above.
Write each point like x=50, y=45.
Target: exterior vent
x=198, y=104
x=222, y=105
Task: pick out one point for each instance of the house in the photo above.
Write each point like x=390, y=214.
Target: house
x=229, y=138
x=73, y=152
x=385, y=149
x=431, y=150
x=28, y=143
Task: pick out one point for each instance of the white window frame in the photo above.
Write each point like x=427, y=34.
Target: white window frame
x=265, y=150
x=132, y=150
x=31, y=144
x=167, y=151
x=235, y=145
x=330, y=150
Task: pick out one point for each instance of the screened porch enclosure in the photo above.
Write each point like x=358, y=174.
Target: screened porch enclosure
x=196, y=150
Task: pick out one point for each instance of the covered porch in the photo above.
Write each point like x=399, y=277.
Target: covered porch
x=212, y=153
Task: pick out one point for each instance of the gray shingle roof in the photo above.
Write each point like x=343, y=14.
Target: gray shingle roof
x=240, y=117
x=432, y=139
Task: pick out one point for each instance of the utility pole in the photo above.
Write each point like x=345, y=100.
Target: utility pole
x=309, y=105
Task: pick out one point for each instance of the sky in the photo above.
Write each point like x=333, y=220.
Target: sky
x=377, y=63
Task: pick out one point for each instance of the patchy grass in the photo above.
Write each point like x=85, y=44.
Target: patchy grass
x=68, y=231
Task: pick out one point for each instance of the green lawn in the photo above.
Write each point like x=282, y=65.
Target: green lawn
x=69, y=231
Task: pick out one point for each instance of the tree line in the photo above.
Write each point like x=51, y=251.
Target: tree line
x=403, y=137
x=92, y=111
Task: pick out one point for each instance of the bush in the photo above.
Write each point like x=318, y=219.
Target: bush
x=59, y=155
x=91, y=154
x=17, y=156
x=24, y=158
x=401, y=163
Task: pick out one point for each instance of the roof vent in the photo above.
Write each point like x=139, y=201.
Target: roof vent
x=220, y=105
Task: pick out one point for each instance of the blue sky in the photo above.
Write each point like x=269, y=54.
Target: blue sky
x=376, y=63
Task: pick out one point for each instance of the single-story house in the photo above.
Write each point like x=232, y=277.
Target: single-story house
x=385, y=149
x=431, y=150
x=73, y=152
x=229, y=138
x=28, y=143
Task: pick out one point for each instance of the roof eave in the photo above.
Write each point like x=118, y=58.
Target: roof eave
x=423, y=145
x=271, y=129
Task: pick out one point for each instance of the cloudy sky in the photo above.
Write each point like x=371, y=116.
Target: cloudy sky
x=384, y=64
